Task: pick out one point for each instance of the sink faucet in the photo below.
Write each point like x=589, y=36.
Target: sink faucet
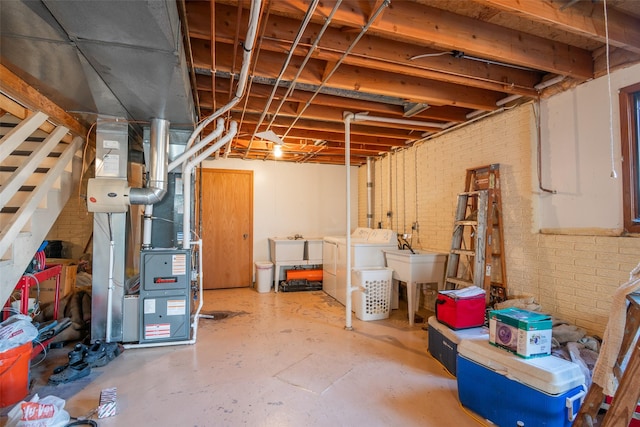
x=403, y=244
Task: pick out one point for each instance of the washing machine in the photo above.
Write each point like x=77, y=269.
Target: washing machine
x=367, y=250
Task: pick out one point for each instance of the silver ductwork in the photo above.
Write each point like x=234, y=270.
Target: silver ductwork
x=158, y=166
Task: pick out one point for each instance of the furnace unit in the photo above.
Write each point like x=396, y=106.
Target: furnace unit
x=165, y=295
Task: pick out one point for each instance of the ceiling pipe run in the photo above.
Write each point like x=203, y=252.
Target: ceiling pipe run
x=379, y=10
x=362, y=117
x=285, y=65
x=249, y=42
x=306, y=59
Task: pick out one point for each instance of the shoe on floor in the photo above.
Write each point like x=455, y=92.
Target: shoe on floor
x=100, y=353
x=70, y=372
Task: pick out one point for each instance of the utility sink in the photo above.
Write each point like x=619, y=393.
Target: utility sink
x=415, y=267
x=418, y=267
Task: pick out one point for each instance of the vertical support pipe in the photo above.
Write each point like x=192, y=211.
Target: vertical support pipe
x=347, y=163
x=110, y=283
x=369, y=192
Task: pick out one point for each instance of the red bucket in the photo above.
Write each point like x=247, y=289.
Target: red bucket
x=14, y=374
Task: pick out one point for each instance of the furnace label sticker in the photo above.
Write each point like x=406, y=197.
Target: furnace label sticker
x=179, y=265
x=110, y=165
x=156, y=331
x=149, y=306
x=176, y=307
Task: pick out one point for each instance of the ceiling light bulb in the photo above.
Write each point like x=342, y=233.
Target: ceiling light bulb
x=277, y=150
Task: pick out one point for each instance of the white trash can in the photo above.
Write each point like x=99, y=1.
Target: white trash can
x=264, y=276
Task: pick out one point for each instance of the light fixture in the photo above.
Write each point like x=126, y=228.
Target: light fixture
x=270, y=135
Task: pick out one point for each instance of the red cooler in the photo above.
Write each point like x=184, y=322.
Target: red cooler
x=461, y=308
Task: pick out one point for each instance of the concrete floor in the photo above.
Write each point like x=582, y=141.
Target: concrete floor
x=277, y=360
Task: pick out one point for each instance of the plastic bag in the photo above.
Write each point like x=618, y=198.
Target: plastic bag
x=46, y=412
x=15, y=331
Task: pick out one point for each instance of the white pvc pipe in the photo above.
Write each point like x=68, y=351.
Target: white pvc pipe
x=303, y=26
x=110, y=289
x=250, y=38
x=197, y=147
x=369, y=193
x=146, y=227
x=347, y=163
x=186, y=181
x=361, y=117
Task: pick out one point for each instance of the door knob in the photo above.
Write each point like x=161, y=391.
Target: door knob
x=244, y=236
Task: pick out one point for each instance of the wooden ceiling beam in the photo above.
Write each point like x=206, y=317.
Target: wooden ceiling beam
x=356, y=129
x=445, y=113
x=411, y=22
x=367, y=80
x=583, y=18
x=316, y=112
x=389, y=55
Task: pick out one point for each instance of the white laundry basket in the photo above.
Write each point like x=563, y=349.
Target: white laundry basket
x=264, y=276
x=373, y=300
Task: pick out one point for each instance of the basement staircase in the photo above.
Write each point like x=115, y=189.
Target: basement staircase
x=40, y=164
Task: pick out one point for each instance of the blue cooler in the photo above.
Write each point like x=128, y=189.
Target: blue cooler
x=509, y=390
x=443, y=341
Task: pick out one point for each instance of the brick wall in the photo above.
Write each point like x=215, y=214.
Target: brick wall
x=74, y=224
x=571, y=276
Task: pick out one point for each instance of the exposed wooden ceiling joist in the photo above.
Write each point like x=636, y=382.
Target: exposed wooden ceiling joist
x=421, y=60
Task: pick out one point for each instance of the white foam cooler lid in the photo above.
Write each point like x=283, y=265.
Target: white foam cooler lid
x=456, y=336
x=549, y=374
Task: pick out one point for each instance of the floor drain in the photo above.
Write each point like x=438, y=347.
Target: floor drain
x=215, y=315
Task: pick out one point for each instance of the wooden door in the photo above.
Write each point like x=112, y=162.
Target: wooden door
x=227, y=228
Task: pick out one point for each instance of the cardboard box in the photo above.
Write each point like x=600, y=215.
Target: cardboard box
x=67, y=281
x=525, y=333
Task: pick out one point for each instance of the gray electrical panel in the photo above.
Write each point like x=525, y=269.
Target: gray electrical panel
x=165, y=295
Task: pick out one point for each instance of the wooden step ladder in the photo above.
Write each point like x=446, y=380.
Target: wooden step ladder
x=627, y=395
x=477, y=248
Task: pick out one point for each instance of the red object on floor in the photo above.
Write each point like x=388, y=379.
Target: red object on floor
x=634, y=421
x=311, y=275
x=460, y=313
x=14, y=374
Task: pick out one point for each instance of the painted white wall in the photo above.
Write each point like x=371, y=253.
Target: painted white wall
x=295, y=198
x=576, y=156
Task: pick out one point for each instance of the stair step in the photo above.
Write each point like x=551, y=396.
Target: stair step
x=17, y=161
x=466, y=222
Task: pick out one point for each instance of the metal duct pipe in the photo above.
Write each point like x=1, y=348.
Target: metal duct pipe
x=158, y=167
x=369, y=192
